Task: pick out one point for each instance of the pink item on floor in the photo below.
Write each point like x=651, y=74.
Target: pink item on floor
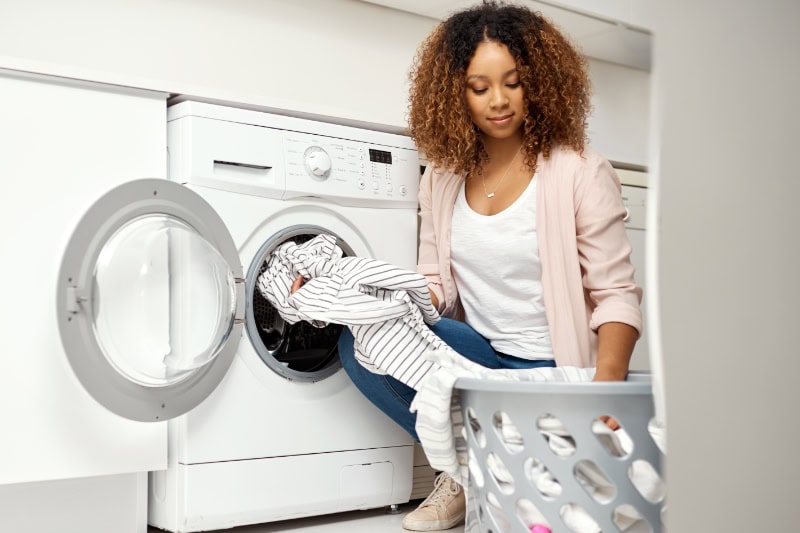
x=541, y=529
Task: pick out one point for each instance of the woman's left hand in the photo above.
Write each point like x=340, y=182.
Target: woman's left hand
x=299, y=282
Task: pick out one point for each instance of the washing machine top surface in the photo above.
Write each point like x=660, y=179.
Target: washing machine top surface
x=242, y=115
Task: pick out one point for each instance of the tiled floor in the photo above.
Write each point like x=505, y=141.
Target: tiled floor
x=372, y=521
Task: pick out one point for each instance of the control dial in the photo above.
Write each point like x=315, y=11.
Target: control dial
x=318, y=162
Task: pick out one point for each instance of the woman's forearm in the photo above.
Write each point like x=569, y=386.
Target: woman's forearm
x=615, y=342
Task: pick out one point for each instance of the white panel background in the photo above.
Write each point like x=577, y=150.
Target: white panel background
x=726, y=81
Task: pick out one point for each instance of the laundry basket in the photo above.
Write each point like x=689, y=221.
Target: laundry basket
x=538, y=451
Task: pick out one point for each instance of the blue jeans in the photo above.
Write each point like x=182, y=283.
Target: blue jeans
x=394, y=397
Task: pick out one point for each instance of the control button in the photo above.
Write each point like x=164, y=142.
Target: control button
x=403, y=190
x=375, y=185
x=362, y=184
x=388, y=187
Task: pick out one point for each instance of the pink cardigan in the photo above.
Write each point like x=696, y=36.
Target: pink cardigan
x=587, y=275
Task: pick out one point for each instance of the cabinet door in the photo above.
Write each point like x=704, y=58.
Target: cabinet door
x=63, y=145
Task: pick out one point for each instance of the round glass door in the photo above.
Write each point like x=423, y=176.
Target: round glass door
x=164, y=300
x=150, y=300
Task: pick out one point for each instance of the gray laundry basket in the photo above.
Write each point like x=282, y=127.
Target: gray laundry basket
x=515, y=457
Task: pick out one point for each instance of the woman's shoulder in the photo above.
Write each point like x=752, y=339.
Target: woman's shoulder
x=565, y=156
x=440, y=171
x=440, y=177
x=578, y=167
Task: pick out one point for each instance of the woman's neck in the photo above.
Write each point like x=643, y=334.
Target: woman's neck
x=502, y=150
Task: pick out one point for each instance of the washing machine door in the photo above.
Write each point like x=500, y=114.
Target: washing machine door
x=150, y=300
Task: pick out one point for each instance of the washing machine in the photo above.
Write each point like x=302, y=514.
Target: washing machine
x=286, y=434
x=634, y=197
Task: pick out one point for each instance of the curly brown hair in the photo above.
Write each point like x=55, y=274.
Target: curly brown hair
x=552, y=74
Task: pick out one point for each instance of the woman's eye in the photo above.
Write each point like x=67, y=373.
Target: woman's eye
x=513, y=85
x=479, y=91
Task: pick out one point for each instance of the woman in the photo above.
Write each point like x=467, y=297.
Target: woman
x=522, y=236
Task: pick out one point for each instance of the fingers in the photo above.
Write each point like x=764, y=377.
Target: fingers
x=610, y=422
x=299, y=282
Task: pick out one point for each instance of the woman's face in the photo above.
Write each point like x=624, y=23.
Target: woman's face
x=494, y=94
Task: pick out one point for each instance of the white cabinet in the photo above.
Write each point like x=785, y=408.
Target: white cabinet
x=63, y=144
x=636, y=13
x=99, y=331
x=616, y=31
x=104, y=504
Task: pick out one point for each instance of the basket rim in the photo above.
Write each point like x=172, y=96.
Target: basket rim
x=637, y=384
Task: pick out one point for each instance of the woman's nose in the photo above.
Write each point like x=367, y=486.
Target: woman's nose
x=498, y=99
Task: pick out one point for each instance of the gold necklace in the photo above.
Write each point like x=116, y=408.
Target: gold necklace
x=490, y=195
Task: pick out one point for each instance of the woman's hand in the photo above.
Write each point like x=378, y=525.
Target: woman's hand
x=299, y=282
x=434, y=299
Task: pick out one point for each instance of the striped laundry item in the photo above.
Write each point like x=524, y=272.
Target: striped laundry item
x=385, y=307
x=438, y=407
x=440, y=423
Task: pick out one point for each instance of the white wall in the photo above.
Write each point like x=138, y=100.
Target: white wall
x=336, y=58
x=726, y=77
x=339, y=58
x=620, y=121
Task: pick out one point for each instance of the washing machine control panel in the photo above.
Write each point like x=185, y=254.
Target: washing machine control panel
x=282, y=157
x=354, y=172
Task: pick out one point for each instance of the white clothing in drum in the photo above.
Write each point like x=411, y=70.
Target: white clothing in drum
x=385, y=307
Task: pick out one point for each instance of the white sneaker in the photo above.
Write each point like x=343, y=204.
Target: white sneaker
x=444, y=508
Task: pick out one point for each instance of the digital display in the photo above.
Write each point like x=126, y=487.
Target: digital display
x=380, y=156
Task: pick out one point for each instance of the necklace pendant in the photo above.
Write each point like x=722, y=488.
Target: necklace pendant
x=490, y=195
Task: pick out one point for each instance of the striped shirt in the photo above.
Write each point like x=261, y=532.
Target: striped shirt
x=386, y=307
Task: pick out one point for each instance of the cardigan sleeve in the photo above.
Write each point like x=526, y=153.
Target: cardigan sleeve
x=428, y=256
x=603, y=247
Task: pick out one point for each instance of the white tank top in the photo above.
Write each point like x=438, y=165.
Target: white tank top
x=495, y=262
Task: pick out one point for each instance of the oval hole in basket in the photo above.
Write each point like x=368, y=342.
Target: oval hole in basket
x=560, y=440
x=627, y=518
x=594, y=481
x=508, y=433
x=616, y=442
x=475, y=428
x=497, y=514
x=475, y=470
x=502, y=475
x=529, y=514
x=577, y=519
x=542, y=479
x=647, y=481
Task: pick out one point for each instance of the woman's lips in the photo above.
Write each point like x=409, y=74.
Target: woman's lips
x=504, y=119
